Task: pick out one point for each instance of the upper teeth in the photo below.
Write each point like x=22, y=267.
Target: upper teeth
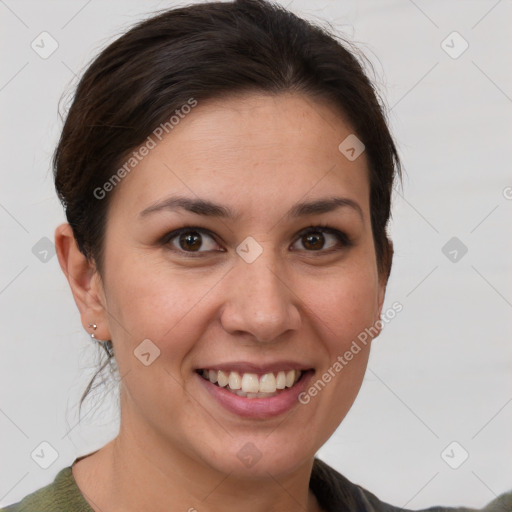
x=251, y=383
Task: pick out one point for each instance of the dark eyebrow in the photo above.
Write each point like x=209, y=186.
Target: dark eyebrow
x=207, y=208
x=324, y=206
x=199, y=206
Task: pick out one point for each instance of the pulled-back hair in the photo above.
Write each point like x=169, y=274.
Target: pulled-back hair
x=207, y=51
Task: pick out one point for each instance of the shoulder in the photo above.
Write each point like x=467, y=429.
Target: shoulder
x=62, y=495
x=335, y=492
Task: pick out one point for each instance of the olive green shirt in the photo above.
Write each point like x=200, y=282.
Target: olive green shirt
x=333, y=492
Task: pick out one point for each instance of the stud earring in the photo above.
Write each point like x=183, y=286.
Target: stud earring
x=106, y=344
x=94, y=327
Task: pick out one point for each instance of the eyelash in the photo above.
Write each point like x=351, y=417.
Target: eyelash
x=343, y=239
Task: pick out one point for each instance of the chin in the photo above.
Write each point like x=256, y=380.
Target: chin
x=260, y=457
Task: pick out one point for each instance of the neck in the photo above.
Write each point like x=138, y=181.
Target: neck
x=138, y=471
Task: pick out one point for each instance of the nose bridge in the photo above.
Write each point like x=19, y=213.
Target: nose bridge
x=259, y=302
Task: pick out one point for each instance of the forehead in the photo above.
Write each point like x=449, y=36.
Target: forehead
x=253, y=151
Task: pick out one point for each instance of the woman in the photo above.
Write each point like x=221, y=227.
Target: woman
x=226, y=171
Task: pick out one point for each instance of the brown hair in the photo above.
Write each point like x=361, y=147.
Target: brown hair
x=206, y=51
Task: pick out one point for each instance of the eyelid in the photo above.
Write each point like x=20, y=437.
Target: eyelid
x=168, y=237
x=343, y=239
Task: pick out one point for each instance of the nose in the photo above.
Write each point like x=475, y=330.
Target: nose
x=260, y=304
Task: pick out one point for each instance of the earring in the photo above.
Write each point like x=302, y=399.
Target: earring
x=94, y=326
x=106, y=344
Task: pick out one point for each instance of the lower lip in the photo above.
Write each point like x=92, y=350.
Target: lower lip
x=258, y=407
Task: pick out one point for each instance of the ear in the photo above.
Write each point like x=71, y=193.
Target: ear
x=383, y=279
x=84, y=281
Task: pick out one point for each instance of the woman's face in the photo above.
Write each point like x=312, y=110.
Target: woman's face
x=252, y=292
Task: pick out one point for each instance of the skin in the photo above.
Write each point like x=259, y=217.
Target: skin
x=259, y=155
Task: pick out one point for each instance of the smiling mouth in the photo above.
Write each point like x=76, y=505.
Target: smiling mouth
x=252, y=385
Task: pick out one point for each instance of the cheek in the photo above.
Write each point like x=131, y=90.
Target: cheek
x=343, y=315
x=152, y=303
x=167, y=310
x=171, y=307
x=344, y=306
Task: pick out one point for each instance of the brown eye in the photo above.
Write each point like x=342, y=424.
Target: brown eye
x=323, y=239
x=313, y=241
x=190, y=240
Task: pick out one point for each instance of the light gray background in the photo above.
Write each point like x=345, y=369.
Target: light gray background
x=440, y=372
